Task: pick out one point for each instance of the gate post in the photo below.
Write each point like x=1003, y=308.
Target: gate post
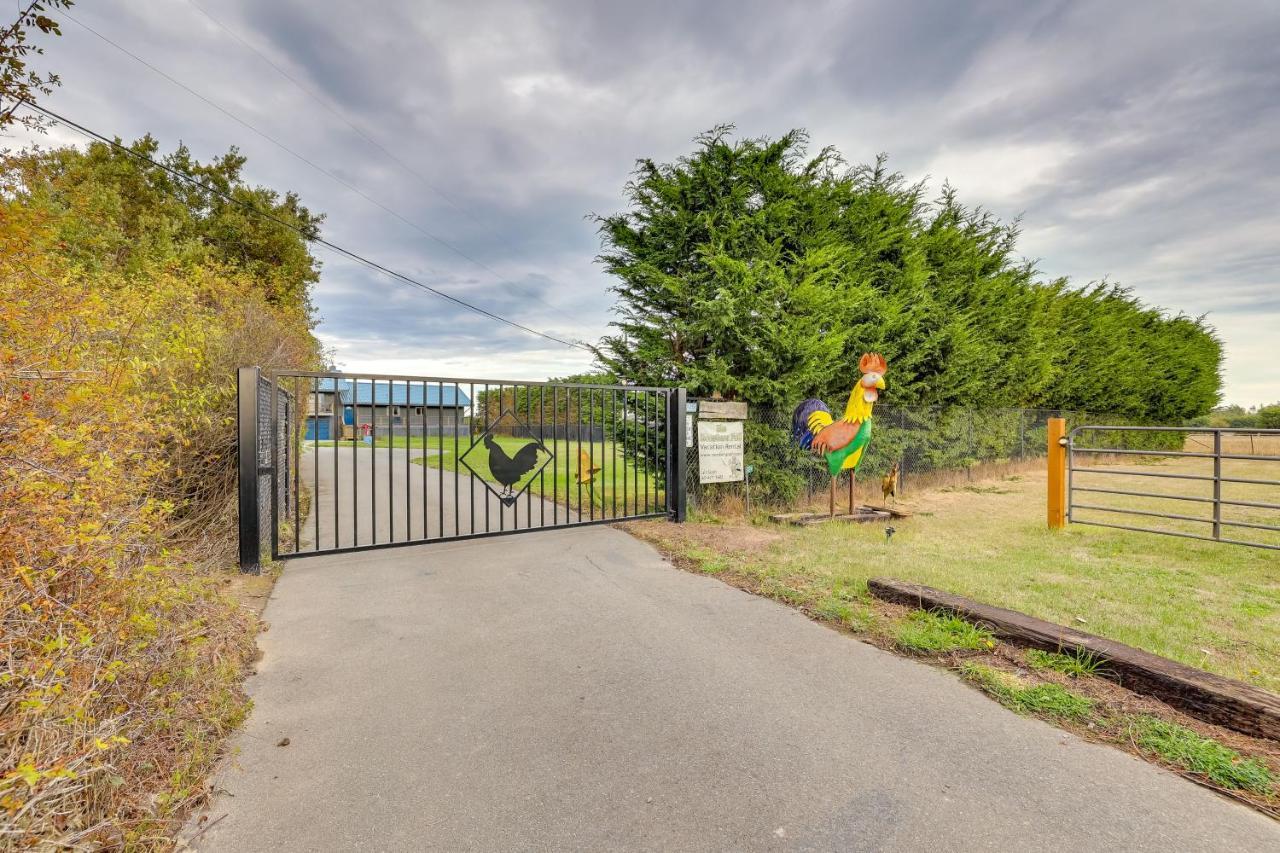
x=677, y=458
x=247, y=420
x=1057, y=446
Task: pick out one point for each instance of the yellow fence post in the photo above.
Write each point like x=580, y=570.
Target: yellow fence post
x=1057, y=473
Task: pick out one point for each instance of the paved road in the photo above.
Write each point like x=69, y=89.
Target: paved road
x=390, y=498
x=568, y=690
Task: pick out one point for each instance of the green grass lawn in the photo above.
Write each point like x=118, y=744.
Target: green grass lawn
x=618, y=489
x=1211, y=605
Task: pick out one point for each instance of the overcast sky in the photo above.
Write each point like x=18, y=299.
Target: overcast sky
x=1137, y=140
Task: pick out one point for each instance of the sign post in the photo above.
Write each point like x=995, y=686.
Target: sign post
x=1057, y=437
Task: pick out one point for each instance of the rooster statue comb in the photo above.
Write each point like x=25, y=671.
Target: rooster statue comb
x=842, y=442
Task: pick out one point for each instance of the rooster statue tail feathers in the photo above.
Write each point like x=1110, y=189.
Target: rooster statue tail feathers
x=801, y=428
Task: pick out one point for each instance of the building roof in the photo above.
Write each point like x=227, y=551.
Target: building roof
x=395, y=392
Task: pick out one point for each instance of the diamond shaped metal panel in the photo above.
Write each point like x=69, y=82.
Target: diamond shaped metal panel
x=506, y=458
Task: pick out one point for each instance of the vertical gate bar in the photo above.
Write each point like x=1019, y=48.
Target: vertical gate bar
x=528, y=492
x=457, y=412
x=248, y=517
x=555, y=467
x=664, y=448
x=636, y=448
x=275, y=464
x=642, y=422
x=486, y=429
x=1217, y=485
x=426, y=445
x=659, y=445
x=671, y=429
x=542, y=436
x=471, y=440
x=373, y=455
x=627, y=449
x=502, y=507
x=337, y=493
x=315, y=458
x=440, y=476
x=1071, y=464
x=654, y=470
x=408, y=441
x=391, y=466
x=297, y=442
x=647, y=436
x=591, y=450
x=613, y=455
x=577, y=428
x=355, y=462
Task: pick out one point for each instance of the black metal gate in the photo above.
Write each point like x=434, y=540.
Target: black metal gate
x=336, y=462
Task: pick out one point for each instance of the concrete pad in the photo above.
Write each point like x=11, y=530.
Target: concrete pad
x=569, y=690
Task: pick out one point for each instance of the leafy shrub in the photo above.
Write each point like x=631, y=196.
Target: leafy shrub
x=125, y=304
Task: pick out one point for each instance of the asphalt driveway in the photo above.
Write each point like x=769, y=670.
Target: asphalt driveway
x=569, y=690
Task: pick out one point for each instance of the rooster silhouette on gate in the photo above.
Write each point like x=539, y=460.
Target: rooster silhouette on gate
x=508, y=470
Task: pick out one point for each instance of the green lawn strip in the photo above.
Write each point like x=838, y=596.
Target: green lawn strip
x=618, y=488
x=1045, y=699
x=1182, y=747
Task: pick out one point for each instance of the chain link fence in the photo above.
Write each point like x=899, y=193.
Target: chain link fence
x=931, y=445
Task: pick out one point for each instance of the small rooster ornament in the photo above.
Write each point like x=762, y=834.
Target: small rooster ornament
x=842, y=442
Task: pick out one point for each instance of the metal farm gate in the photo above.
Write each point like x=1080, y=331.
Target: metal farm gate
x=336, y=462
x=1163, y=475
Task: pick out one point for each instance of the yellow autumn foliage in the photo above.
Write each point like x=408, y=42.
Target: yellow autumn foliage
x=121, y=656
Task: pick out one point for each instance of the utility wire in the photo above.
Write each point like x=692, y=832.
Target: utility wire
x=320, y=241
x=514, y=288
x=306, y=90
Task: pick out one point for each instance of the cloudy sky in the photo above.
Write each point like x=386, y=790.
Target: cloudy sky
x=1137, y=140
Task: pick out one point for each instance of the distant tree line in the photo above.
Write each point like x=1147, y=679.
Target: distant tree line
x=752, y=269
x=1238, y=417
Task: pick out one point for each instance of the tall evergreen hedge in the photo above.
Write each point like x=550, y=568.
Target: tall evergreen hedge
x=752, y=269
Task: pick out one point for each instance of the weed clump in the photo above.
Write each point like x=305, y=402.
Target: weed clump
x=1077, y=664
x=1181, y=746
x=939, y=632
x=1047, y=699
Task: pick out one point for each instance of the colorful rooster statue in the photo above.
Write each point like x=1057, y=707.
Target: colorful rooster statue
x=842, y=442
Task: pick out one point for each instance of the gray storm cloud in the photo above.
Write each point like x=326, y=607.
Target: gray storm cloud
x=1137, y=140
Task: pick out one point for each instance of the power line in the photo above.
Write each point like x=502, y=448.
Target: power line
x=334, y=111
x=320, y=241
x=415, y=226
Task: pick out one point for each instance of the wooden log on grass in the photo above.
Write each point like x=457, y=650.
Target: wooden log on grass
x=1201, y=694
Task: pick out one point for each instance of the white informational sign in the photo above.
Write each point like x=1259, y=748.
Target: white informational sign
x=719, y=451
